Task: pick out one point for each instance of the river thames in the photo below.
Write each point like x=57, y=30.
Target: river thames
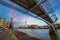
x=42, y=34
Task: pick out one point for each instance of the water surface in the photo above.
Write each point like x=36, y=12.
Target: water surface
x=42, y=34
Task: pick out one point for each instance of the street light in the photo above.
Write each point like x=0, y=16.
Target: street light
x=11, y=26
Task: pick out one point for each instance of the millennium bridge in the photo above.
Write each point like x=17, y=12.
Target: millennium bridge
x=41, y=9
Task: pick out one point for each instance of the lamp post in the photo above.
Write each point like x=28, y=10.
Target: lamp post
x=11, y=26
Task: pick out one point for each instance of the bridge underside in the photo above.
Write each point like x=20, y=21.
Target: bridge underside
x=37, y=9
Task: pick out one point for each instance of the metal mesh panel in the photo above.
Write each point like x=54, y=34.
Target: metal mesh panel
x=46, y=5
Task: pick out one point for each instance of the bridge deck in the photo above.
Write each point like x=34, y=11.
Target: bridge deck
x=32, y=6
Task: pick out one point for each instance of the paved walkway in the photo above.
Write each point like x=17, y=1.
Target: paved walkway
x=7, y=35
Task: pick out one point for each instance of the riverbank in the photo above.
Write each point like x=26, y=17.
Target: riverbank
x=15, y=35
x=23, y=36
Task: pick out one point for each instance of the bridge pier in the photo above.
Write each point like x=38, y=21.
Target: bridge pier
x=53, y=33
x=52, y=30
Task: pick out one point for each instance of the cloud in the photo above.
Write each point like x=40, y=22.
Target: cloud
x=10, y=14
x=20, y=18
x=29, y=20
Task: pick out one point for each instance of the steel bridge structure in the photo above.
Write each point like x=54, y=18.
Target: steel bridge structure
x=41, y=9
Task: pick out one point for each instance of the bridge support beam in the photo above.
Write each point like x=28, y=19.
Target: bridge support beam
x=53, y=33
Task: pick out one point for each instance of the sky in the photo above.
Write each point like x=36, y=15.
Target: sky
x=20, y=17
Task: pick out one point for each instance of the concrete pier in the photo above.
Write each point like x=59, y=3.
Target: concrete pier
x=53, y=33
